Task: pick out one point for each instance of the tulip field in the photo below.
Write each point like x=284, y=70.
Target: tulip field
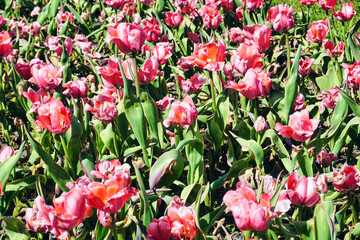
x=179, y=119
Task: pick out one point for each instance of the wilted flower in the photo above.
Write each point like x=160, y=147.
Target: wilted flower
x=347, y=12
x=5, y=153
x=324, y=158
x=193, y=84
x=5, y=44
x=183, y=113
x=173, y=19
x=239, y=14
x=302, y=191
x=334, y=50
x=282, y=18
x=317, y=31
x=300, y=128
x=53, y=116
x=152, y=29
x=246, y=56
x=37, y=218
x=103, y=107
x=45, y=76
x=212, y=17
x=346, y=179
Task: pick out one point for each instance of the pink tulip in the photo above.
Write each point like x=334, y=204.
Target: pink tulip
x=346, y=179
x=128, y=37
x=103, y=107
x=327, y=4
x=105, y=169
x=148, y=71
x=183, y=113
x=352, y=74
x=334, y=50
x=162, y=52
x=111, y=75
x=357, y=37
x=260, y=125
x=1, y=192
x=322, y=182
x=76, y=89
x=347, y=12
x=53, y=44
x=115, y=4
x=164, y=103
x=330, y=98
x=308, y=2
x=261, y=35
x=324, y=158
x=24, y=69
x=212, y=17
x=5, y=44
x=247, y=211
x=299, y=103
x=300, y=128
x=253, y=4
x=159, y=229
x=37, y=218
x=152, y=29
x=194, y=37
x=227, y=5
x=282, y=18
x=63, y=16
x=256, y=83
x=33, y=29
x=193, y=84
x=53, y=116
x=36, y=98
x=187, y=6
x=239, y=14
x=302, y=191
x=317, y=31
x=173, y=19
x=2, y=21
x=238, y=35
x=104, y=218
x=5, y=153
x=45, y=76
x=210, y=56
x=246, y=56
x=305, y=66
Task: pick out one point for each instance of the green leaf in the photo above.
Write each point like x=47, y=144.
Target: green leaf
x=340, y=112
x=108, y=138
x=216, y=134
x=355, y=52
x=207, y=221
x=54, y=7
x=151, y=113
x=223, y=104
x=329, y=80
x=7, y=166
x=324, y=220
x=194, y=154
x=167, y=168
x=305, y=162
x=59, y=175
x=159, y=6
x=44, y=14
x=15, y=228
x=84, y=26
x=354, y=107
x=305, y=229
x=344, y=134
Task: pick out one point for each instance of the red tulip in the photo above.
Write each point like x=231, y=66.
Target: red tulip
x=346, y=179
x=282, y=18
x=173, y=19
x=256, y=83
x=300, y=128
x=194, y=37
x=5, y=153
x=111, y=75
x=317, y=31
x=5, y=44
x=152, y=29
x=227, y=5
x=183, y=113
x=327, y=4
x=187, y=6
x=103, y=107
x=308, y=2
x=253, y=4
x=76, y=89
x=159, y=229
x=1, y=192
x=212, y=17
x=324, y=158
x=2, y=21
x=128, y=37
x=302, y=191
x=246, y=56
x=238, y=35
x=193, y=84
x=45, y=76
x=334, y=50
x=239, y=14
x=53, y=116
x=347, y=12
x=305, y=66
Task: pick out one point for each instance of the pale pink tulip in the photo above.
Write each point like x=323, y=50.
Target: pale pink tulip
x=246, y=56
x=317, y=31
x=347, y=12
x=193, y=84
x=282, y=18
x=5, y=153
x=45, y=76
x=260, y=125
x=183, y=113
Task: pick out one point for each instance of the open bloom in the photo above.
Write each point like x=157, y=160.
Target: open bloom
x=300, y=128
x=111, y=75
x=105, y=169
x=5, y=44
x=334, y=50
x=346, y=179
x=173, y=19
x=128, y=37
x=212, y=17
x=162, y=52
x=330, y=98
x=261, y=35
x=193, y=84
x=152, y=29
x=302, y=191
x=24, y=69
x=210, y=56
x=246, y=56
x=249, y=214
x=5, y=153
x=37, y=218
x=103, y=107
x=256, y=83
x=352, y=74
x=317, y=31
x=347, y=12
x=76, y=88
x=327, y=4
x=305, y=66
x=45, y=76
x=183, y=113
x=282, y=18
x=308, y=2
x=53, y=116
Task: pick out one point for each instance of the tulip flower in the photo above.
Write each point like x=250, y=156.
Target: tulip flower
x=300, y=128
x=227, y=5
x=261, y=35
x=317, y=31
x=53, y=116
x=187, y=6
x=2, y=21
x=282, y=18
x=105, y=169
x=164, y=103
x=302, y=191
x=334, y=50
x=173, y=19
x=159, y=229
x=330, y=98
x=256, y=83
x=152, y=29
x=45, y=76
x=299, y=103
x=183, y=113
x=247, y=211
x=162, y=52
x=5, y=153
x=115, y=4
x=24, y=69
x=346, y=179
x=238, y=35
x=1, y=192
x=327, y=4
x=148, y=71
x=239, y=14
x=76, y=89
x=193, y=84
x=111, y=75
x=194, y=37
x=128, y=37
x=352, y=74
x=246, y=56
x=37, y=218
x=347, y=12
x=260, y=125
x=253, y=4
x=305, y=66
x=103, y=107
x=104, y=218
x=5, y=44
x=212, y=17
x=324, y=158
x=308, y=2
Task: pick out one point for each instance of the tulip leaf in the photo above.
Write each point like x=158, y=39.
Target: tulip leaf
x=59, y=175
x=194, y=153
x=159, y=6
x=324, y=215
x=216, y=134
x=305, y=162
x=223, y=104
x=253, y=147
x=167, y=168
x=151, y=113
x=305, y=229
x=291, y=87
x=54, y=7
x=108, y=138
x=44, y=14
x=329, y=80
x=207, y=221
x=344, y=134
x=15, y=228
x=340, y=112
x=354, y=107
x=84, y=26
x=354, y=50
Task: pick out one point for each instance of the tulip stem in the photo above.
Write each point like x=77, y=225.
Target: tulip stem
x=353, y=210
x=137, y=85
x=288, y=54
x=213, y=92
x=113, y=226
